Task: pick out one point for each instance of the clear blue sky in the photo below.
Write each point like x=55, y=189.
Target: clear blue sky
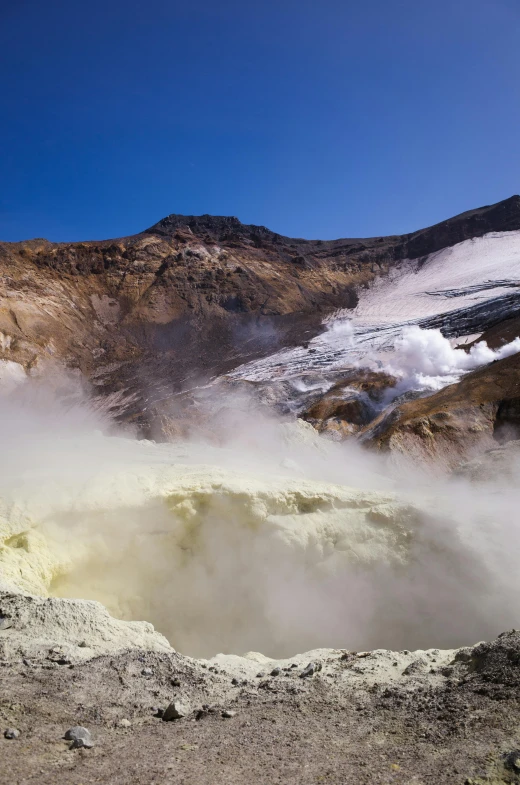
x=317, y=118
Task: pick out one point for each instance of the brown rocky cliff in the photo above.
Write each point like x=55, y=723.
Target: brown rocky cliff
x=192, y=296
x=456, y=423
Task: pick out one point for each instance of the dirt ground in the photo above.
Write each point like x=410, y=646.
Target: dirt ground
x=432, y=721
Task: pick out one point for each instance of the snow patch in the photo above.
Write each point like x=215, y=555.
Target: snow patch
x=472, y=272
x=453, y=275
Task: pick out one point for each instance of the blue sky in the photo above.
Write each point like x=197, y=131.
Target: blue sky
x=317, y=118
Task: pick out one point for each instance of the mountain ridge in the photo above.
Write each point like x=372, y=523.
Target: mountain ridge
x=193, y=297
x=510, y=207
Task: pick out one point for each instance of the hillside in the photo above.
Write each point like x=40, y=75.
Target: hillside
x=143, y=317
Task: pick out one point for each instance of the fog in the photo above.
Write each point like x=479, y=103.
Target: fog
x=275, y=540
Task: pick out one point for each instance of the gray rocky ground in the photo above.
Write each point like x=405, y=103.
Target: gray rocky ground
x=366, y=717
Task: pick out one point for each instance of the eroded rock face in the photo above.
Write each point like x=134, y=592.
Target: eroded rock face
x=199, y=551
x=456, y=423
x=190, y=298
x=350, y=404
x=499, y=465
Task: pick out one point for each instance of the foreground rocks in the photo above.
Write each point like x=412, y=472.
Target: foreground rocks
x=409, y=717
x=80, y=737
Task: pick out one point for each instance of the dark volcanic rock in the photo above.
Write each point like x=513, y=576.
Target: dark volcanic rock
x=501, y=217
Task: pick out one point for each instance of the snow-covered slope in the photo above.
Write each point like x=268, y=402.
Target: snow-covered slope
x=469, y=273
x=462, y=290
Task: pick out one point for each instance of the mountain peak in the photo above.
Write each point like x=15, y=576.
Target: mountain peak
x=218, y=227
x=499, y=217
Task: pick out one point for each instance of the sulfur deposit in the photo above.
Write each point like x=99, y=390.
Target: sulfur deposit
x=217, y=559
x=278, y=546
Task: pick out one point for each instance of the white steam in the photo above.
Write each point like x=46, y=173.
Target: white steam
x=277, y=541
x=419, y=359
x=426, y=359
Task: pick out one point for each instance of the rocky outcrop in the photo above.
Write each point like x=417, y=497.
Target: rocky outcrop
x=350, y=404
x=456, y=423
x=498, y=335
x=500, y=465
x=73, y=630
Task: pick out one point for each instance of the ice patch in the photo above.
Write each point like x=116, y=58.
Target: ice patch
x=406, y=293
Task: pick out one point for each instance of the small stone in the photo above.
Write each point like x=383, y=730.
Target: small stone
x=235, y=682
x=175, y=711
x=276, y=671
x=228, y=714
x=415, y=667
x=512, y=760
x=176, y=683
x=79, y=736
x=311, y=668
x=83, y=645
x=124, y=723
x=12, y=733
x=260, y=675
x=147, y=672
x=5, y=623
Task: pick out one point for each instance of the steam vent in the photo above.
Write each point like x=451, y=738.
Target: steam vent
x=258, y=506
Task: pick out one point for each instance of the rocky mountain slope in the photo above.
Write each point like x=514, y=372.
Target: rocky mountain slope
x=143, y=317
x=456, y=423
